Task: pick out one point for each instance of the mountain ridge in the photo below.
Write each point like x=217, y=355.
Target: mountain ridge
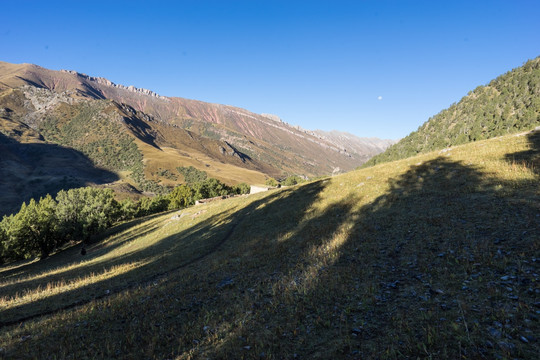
x=238, y=126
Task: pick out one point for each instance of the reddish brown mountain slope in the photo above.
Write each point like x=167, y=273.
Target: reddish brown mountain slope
x=281, y=146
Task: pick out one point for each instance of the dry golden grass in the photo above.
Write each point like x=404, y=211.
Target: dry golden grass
x=170, y=159
x=429, y=257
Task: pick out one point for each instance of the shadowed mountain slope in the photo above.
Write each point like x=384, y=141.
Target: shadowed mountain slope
x=34, y=169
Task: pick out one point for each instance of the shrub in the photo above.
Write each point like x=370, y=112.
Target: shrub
x=181, y=197
x=271, y=182
x=293, y=180
x=192, y=175
x=242, y=188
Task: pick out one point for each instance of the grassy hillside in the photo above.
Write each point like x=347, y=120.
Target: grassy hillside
x=508, y=104
x=434, y=256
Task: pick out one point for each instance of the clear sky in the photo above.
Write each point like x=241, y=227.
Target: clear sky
x=370, y=67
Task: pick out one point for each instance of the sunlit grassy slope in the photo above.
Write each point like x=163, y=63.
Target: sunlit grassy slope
x=434, y=256
x=170, y=158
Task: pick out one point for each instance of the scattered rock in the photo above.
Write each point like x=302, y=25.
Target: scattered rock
x=177, y=216
x=494, y=332
x=436, y=291
x=507, y=345
x=225, y=282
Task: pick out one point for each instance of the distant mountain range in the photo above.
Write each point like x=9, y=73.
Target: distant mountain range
x=508, y=104
x=92, y=131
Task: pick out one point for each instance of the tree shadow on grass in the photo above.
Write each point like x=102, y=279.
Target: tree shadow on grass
x=432, y=268
x=169, y=253
x=441, y=265
x=528, y=158
x=23, y=274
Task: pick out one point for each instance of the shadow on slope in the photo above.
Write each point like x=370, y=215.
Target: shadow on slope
x=528, y=158
x=32, y=170
x=136, y=263
x=442, y=265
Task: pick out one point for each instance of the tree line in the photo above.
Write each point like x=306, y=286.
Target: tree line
x=74, y=215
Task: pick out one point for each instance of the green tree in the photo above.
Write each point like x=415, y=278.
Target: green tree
x=18, y=232
x=32, y=231
x=242, y=188
x=10, y=247
x=70, y=213
x=192, y=175
x=127, y=209
x=4, y=254
x=45, y=227
x=148, y=206
x=85, y=211
x=271, y=182
x=181, y=197
x=292, y=180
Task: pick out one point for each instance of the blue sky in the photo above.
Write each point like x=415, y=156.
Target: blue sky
x=372, y=68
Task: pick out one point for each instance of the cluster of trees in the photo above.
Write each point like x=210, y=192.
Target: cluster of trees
x=508, y=104
x=292, y=180
x=42, y=226
x=288, y=181
x=191, y=174
x=75, y=215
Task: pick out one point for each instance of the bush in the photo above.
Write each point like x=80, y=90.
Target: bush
x=192, y=175
x=293, y=180
x=242, y=188
x=182, y=196
x=272, y=182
